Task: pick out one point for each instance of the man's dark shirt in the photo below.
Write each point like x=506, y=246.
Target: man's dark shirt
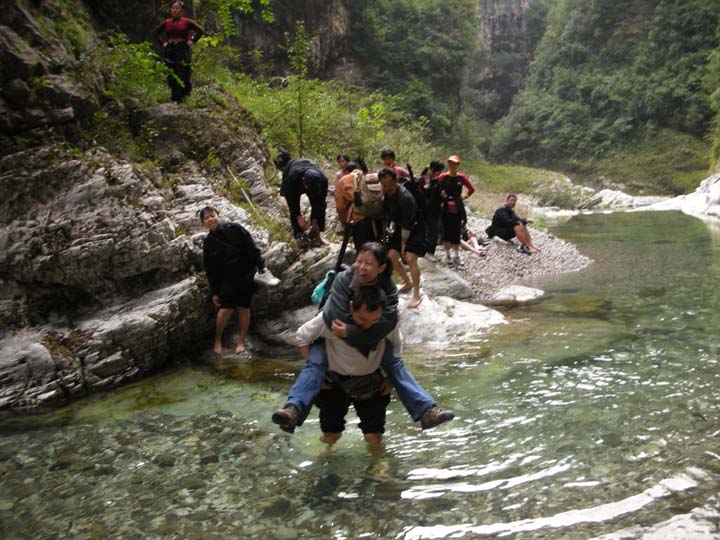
x=230, y=252
x=506, y=219
x=399, y=209
x=292, y=188
x=432, y=195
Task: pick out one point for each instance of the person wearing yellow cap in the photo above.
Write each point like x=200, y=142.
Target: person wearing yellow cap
x=451, y=186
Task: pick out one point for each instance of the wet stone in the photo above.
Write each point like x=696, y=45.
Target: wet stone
x=164, y=460
x=277, y=508
x=286, y=533
x=205, y=460
x=191, y=482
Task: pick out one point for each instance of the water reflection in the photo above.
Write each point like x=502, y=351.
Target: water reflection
x=595, y=413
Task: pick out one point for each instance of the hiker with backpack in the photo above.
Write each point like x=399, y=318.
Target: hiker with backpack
x=231, y=260
x=304, y=176
x=451, y=186
x=371, y=269
x=405, y=232
x=358, y=200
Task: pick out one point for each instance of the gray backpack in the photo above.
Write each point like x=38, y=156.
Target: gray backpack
x=368, y=194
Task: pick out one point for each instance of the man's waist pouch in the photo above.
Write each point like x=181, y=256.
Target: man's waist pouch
x=359, y=387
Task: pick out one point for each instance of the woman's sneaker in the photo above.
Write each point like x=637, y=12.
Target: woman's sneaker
x=434, y=416
x=524, y=249
x=266, y=278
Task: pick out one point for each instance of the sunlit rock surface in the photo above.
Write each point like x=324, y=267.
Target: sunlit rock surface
x=703, y=203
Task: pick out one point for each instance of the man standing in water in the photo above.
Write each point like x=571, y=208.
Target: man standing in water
x=370, y=270
x=352, y=377
x=231, y=259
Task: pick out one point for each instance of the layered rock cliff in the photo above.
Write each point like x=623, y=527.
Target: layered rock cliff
x=101, y=255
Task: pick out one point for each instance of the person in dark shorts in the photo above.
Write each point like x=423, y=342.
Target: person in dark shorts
x=407, y=240
x=177, y=35
x=352, y=377
x=230, y=259
x=371, y=269
x=506, y=224
x=303, y=176
x=433, y=216
x=453, y=215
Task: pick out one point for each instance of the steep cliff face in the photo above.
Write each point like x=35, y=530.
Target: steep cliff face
x=260, y=43
x=101, y=253
x=509, y=30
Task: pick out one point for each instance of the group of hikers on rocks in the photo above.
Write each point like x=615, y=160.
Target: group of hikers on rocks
x=352, y=346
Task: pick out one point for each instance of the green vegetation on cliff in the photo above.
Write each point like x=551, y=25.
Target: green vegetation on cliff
x=606, y=79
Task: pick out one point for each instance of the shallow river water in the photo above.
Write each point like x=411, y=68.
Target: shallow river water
x=594, y=414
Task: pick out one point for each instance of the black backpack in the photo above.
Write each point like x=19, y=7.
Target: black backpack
x=415, y=187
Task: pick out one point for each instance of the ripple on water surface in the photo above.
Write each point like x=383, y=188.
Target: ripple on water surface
x=594, y=414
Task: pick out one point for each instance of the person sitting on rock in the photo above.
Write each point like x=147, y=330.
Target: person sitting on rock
x=407, y=239
x=304, y=176
x=177, y=35
x=469, y=241
x=371, y=269
x=230, y=259
x=507, y=225
x=352, y=377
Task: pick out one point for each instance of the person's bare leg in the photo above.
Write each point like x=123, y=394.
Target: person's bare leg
x=373, y=439
x=523, y=235
x=446, y=245
x=243, y=326
x=330, y=438
x=398, y=266
x=469, y=247
x=412, y=261
x=221, y=321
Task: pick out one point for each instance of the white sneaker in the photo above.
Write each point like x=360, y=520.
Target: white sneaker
x=266, y=278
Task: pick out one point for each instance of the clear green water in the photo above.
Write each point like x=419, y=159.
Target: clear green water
x=595, y=413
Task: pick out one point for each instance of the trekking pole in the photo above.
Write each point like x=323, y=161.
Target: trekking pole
x=247, y=198
x=338, y=265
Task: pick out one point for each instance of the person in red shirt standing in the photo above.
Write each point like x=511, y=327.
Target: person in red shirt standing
x=388, y=159
x=451, y=186
x=177, y=35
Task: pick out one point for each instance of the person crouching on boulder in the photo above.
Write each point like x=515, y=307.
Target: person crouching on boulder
x=230, y=259
x=177, y=35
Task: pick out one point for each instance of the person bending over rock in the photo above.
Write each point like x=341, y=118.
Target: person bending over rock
x=177, y=35
x=507, y=225
x=230, y=259
x=371, y=269
x=304, y=176
x=352, y=377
